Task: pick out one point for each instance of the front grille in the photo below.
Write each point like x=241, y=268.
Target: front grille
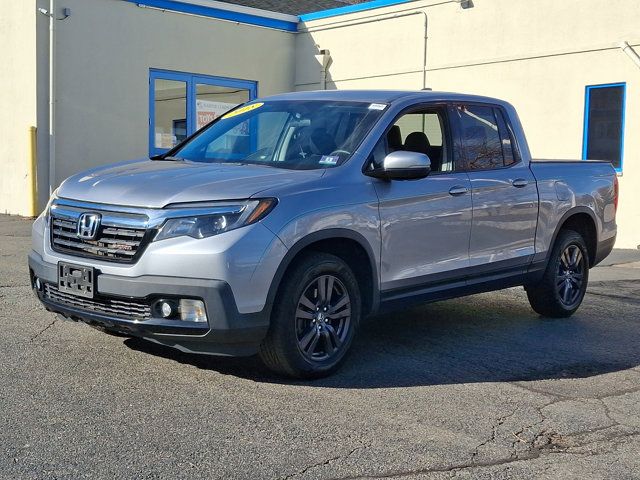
x=126, y=309
x=112, y=243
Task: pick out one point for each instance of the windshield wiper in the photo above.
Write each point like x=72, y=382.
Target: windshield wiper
x=170, y=159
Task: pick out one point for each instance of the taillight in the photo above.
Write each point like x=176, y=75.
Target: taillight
x=616, y=191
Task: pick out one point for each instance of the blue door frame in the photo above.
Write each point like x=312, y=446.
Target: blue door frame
x=585, y=134
x=191, y=80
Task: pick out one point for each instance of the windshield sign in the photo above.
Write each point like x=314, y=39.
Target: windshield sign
x=301, y=135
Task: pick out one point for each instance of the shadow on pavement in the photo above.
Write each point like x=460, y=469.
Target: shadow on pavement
x=484, y=338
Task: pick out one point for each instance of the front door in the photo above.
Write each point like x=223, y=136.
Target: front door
x=426, y=223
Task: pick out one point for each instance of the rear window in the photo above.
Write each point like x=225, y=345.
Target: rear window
x=486, y=139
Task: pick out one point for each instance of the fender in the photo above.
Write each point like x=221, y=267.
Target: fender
x=330, y=233
x=569, y=213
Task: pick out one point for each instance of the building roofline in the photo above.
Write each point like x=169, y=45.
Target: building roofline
x=225, y=11
x=358, y=7
x=256, y=16
x=242, y=9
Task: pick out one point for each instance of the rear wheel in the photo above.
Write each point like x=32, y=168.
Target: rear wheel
x=314, y=320
x=564, y=283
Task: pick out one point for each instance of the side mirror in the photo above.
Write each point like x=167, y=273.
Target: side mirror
x=403, y=165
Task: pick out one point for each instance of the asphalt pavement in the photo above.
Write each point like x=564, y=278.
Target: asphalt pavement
x=477, y=387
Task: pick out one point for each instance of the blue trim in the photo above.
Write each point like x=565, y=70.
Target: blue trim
x=190, y=80
x=360, y=7
x=585, y=123
x=250, y=19
x=218, y=13
x=585, y=131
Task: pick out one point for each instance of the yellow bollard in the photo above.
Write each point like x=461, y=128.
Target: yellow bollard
x=33, y=169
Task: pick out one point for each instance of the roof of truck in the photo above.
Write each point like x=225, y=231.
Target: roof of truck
x=382, y=96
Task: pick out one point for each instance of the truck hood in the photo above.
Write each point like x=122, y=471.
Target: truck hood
x=155, y=184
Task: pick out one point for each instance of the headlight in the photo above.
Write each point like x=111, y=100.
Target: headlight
x=224, y=217
x=47, y=210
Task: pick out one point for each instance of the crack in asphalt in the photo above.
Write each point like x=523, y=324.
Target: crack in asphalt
x=43, y=330
x=492, y=438
x=543, y=442
x=451, y=468
x=617, y=297
x=537, y=391
x=561, y=396
x=547, y=447
x=324, y=463
x=619, y=393
x=537, y=436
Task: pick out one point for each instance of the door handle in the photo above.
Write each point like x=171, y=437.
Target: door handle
x=520, y=182
x=458, y=190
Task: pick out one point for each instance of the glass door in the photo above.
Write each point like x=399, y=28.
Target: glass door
x=182, y=103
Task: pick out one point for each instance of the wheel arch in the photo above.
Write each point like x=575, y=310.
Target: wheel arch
x=340, y=242
x=583, y=220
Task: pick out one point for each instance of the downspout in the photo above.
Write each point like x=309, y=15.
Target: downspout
x=375, y=19
x=632, y=54
x=33, y=172
x=52, y=98
x=424, y=59
x=324, y=59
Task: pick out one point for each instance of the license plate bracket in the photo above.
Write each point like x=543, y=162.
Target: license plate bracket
x=76, y=279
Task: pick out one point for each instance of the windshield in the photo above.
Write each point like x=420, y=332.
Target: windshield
x=299, y=135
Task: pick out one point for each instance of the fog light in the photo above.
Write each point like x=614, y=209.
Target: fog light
x=166, y=309
x=37, y=284
x=192, y=310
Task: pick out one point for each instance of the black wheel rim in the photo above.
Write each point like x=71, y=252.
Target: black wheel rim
x=570, y=276
x=323, y=318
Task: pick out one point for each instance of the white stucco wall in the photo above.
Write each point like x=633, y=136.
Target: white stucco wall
x=538, y=55
x=103, y=55
x=17, y=102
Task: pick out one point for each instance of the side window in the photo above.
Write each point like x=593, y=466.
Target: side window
x=379, y=152
x=508, y=150
x=420, y=131
x=480, y=137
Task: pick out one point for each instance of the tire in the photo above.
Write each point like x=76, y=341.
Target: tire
x=562, y=288
x=311, y=332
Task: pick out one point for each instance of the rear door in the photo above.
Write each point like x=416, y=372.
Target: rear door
x=504, y=191
x=425, y=223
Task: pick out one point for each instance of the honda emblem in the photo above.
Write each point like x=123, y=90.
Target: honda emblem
x=88, y=225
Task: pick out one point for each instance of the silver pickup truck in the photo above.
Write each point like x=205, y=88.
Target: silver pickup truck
x=281, y=225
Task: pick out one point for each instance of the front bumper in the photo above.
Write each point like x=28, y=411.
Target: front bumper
x=228, y=332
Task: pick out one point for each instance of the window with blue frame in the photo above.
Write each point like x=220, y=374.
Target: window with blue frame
x=604, y=123
x=182, y=103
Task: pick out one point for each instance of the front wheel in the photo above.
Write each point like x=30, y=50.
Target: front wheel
x=564, y=283
x=315, y=317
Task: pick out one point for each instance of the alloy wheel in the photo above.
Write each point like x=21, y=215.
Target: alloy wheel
x=323, y=318
x=570, y=275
